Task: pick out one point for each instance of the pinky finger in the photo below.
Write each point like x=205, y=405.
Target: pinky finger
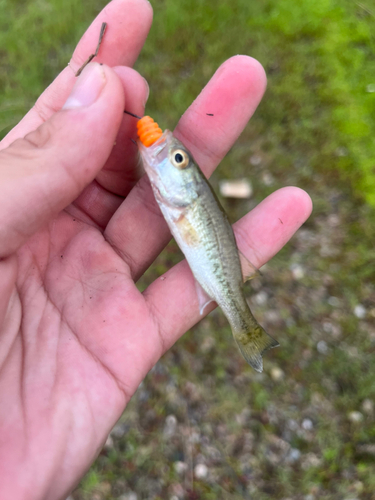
x=260, y=235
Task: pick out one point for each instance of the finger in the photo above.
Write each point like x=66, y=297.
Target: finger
x=44, y=172
x=122, y=170
x=232, y=96
x=260, y=235
x=128, y=23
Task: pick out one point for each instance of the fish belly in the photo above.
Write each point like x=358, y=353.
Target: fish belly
x=206, y=238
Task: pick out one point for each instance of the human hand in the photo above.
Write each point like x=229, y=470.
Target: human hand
x=77, y=230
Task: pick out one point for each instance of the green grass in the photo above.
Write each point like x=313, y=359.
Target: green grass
x=319, y=55
x=315, y=129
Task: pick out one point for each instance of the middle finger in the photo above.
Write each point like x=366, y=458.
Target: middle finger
x=138, y=230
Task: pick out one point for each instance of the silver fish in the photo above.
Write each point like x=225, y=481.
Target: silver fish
x=203, y=233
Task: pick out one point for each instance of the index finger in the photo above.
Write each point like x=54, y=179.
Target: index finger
x=128, y=23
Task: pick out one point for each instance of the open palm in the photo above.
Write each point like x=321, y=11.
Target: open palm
x=78, y=228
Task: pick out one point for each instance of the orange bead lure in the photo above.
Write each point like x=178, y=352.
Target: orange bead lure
x=148, y=131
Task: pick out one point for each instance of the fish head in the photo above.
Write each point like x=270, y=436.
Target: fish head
x=172, y=171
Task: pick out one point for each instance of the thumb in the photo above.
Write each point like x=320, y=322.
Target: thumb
x=45, y=171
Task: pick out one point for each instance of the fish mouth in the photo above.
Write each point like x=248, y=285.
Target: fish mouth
x=155, y=153
x=154, y=156
x=159, y=148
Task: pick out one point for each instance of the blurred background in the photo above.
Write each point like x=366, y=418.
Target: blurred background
x=204, y=425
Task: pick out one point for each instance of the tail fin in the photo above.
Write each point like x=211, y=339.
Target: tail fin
x=253, y=344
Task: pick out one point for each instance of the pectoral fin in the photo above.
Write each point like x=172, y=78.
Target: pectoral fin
x=249, y=271
x=203, y=299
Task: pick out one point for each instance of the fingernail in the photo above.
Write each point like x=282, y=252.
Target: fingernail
x=147, y=91
x=87, y=88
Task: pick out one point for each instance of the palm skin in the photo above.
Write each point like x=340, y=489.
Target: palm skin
x=77, y=337
x=73, y=363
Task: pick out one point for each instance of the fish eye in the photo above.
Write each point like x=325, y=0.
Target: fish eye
x=180, y=159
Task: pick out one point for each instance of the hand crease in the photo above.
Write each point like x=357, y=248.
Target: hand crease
x=120, y=384
x=155, y=315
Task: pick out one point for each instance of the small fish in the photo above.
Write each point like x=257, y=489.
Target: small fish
x=203, y=233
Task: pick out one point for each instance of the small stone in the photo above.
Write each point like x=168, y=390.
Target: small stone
x=310, y=460
x=104, y=488
x=215, y=455
x=297, y=271
x=177, y=491
x=309, y=497
x=200, y=471
x=96, y=496
x=244, y=417
x=267, y=179
x=358, y=486
x=292, y=424
x=208, y=344
x=241, y=189
x=368, y=449
x=180, y=467
x=193, y=392
x=255, y=160
x=129, y=496
x=307, y=354
x=307, y=424
x=367, y=406
x=327, y=326
x=352, y=351
x=333, y=220
x=294, y=455
x=170, y=426
x=355, y=416
x=333, y=301
x=322, y=347
x=109, y=443
x=360, y=311
x=194, y=437
x=277, y=374
x=272, y=316
x=315, y=490
x=174, y=497
x=341, y=151
x=261, y=298
x=278, y=447
x=336, y=331
x=119, y=430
